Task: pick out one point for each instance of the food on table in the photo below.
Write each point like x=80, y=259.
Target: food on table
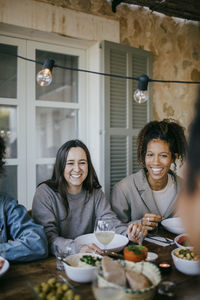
x=113, y=272
x=183, y=241
x=137, y=281
x=135, y=253
x=86, y=261
x=120, y=275
x=55, y=290
x=187, y=254
x=1, y=263
x=91, y=260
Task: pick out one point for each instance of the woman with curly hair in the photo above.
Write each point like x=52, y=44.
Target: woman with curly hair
x=150, y=194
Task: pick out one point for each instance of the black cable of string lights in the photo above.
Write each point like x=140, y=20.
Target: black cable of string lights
x=102, y=73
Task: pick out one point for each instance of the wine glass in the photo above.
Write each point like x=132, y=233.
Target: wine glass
x=104, y=231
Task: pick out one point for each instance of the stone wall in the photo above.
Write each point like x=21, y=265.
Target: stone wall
x=175, y=44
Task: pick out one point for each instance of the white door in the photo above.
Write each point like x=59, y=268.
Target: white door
x=35, y=120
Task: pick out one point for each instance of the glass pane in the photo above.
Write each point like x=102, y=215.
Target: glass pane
x=8, y=71
x=43, y=172
x=64, y=86
x=54, y=127
x=8, y=181
x=8, y=129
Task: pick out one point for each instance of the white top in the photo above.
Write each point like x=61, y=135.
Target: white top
x=164, y=197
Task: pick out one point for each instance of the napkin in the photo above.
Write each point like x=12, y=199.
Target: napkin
x=159, y=240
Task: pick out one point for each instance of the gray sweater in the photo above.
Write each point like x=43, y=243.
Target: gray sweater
x=61, y=228
x=132, y=197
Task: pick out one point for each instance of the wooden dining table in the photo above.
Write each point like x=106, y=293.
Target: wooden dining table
x=14, y=284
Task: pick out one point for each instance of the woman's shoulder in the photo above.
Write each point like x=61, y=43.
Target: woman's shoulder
x=44, y=188
x=134, y=178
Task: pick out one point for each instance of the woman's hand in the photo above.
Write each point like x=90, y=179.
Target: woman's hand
x=134, y=232
x=91, y=248
x=150, y=221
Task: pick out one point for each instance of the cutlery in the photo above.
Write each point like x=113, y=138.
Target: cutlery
x=64, y=261
x=169, y=242
x=113, y=254
x=141, y=238
x=67, y=282
x=150, y=235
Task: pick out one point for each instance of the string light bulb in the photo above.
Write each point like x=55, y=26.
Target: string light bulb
x=141, y=95
x=44, y=77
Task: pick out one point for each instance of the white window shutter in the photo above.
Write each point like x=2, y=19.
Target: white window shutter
x=122, y=117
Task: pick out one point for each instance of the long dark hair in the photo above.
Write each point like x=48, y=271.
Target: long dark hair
x=58, y=182
x=193, y=171
x=167, y=130
x=2, y=154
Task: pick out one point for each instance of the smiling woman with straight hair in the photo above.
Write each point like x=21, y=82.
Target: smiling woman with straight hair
x=68, y=204
x=150, y=194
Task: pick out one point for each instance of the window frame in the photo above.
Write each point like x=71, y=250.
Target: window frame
x=26, y=160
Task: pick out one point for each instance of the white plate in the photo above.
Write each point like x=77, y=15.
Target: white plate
x=117, y=244
x=173, y=225
x=5, y=267
x=151, y=256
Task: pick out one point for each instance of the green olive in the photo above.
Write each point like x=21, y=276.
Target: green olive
x=42, y=296
x=65, y=287
x=52, y=281
x=70, y=294
x=77, y=297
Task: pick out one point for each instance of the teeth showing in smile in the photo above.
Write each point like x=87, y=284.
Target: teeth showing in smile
x=156, y=170
x=75, y=176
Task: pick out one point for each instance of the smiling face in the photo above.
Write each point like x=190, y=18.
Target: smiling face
x=158, y=160
x=76, y=169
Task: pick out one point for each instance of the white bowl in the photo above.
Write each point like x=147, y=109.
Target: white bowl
x=173, y=225
x=151, y=256
x=79, y=274
x=188, y=267
x=117, y=244
x=179, y=237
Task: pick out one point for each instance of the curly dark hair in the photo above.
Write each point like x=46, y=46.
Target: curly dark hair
x=167, y=130
x=58, y=182
x=193, y=158
x=2, y=154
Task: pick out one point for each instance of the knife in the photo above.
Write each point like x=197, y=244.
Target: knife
x=113, y=254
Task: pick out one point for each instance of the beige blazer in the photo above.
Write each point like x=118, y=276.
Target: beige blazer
x=132, y=197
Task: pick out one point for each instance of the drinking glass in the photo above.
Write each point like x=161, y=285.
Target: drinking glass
x=104, y=231
x=103, y=291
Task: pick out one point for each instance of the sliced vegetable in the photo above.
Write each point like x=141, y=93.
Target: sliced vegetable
x=91, y=260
